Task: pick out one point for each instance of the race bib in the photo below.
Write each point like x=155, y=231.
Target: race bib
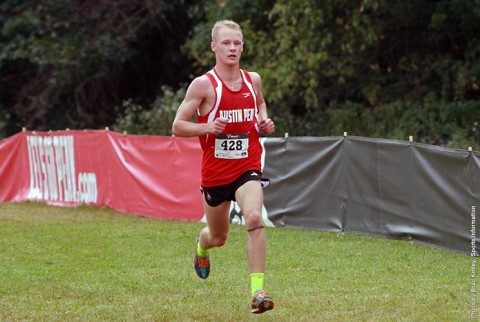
x=231, y=146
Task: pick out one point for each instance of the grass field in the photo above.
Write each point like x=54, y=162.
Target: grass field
x=92, y=264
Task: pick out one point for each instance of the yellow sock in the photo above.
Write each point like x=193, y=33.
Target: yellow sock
x=256, y=281
x=200, y=251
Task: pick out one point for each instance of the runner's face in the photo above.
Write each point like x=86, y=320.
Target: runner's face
x=228, y=45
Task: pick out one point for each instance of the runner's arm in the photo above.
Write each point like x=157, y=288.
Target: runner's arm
x=266, y=124
x=195, y=96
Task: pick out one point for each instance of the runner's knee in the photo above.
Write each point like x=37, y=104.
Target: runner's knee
x=253, y=219
x=218, y=240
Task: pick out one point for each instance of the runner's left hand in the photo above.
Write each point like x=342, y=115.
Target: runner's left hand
x=267, y=126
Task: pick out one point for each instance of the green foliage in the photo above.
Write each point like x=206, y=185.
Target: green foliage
x=316, y=49
x=69, y=63
x=448, y=124
x=3, y=122
x=369, y=67
x=157, y=119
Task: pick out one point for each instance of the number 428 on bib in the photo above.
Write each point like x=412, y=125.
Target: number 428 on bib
x=231, y=146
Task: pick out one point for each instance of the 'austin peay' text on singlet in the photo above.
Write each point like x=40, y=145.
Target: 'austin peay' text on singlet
x=228, y=155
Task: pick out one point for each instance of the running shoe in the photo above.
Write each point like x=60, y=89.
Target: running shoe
x=261, y=302
x=201, y=264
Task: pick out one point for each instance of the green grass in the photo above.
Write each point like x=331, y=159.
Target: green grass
x=91, y=264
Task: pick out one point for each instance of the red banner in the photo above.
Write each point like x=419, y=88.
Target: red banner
x=145, y=175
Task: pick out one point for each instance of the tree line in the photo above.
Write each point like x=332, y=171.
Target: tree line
x=377, y=68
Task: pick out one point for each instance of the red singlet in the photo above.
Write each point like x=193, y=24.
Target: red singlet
x=238, y=149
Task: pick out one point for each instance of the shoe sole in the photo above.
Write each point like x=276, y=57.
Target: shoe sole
x=266, y=305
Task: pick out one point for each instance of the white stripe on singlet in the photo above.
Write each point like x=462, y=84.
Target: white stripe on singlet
x=250, y=87
x=218, y=92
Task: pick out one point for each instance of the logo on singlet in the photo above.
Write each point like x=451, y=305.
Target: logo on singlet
x=238, y=115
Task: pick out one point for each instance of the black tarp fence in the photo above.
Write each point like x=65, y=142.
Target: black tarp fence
x=396, y=189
